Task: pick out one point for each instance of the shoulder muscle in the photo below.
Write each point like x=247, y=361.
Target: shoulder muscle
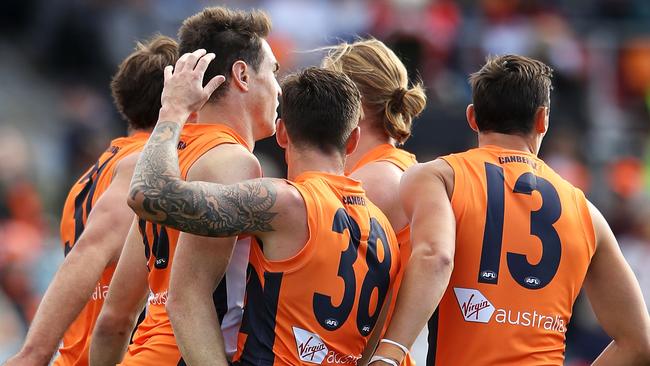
x=226, y=164
x=380, y=181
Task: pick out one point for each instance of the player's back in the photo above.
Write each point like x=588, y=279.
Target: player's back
x=160, y=244
x=78, y=205
x=403, y=160
x=524, y=241
x=321, y=305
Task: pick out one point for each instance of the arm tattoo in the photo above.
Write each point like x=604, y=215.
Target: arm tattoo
x=199, y=208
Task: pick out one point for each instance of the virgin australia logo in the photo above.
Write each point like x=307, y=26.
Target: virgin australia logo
x=310, y=346
x=473, y=305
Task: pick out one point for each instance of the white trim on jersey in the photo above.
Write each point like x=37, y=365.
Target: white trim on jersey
x=236, y=288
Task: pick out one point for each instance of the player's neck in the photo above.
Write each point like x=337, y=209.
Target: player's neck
x=529, y=144
x=304, y=160
x=371, y=137
x=231, y=115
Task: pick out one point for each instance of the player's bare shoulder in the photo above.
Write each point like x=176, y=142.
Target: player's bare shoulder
x=380, y=180
x=285, y=210
x=421, y=173
x=226, y=164
x=378, y=171
x=291, y=205
x=126, y=165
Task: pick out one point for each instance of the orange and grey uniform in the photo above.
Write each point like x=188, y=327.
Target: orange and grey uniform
x=154, y=342
x=403, y=160
x=524, y=241
x=82, y=197
x=321, y=305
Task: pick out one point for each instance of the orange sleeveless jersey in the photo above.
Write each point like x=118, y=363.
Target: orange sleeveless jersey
x=320, y=306
x=403, y=160
x=154, y=342
x=81, y=198
x=524, y=241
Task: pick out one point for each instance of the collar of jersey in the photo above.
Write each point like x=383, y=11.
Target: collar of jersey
x=202, y=127
x=348, y=183
x=370, y=156
x=499, y=148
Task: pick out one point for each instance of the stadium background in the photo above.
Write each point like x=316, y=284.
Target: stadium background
x=56, y=116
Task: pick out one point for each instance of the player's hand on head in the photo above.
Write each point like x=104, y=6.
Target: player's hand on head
x=183, y=91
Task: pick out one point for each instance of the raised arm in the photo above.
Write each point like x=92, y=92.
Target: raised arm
x=200, y=263
x=616, y=298
x=423, y=191
x=99, y=244
x=125, y=300
x=158, y=194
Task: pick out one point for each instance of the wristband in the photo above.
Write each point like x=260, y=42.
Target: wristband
x=401, y=347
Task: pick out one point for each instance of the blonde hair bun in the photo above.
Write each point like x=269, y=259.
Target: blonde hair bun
x=383, y=81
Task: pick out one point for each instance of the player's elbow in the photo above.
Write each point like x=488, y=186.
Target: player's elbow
x=442, y=263
x=87, y=250
x=135, y=199
x=439, y=261
x=184, y=295
x=113, y=323
x=178, y=306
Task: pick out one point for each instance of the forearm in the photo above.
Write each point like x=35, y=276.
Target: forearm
x=108, y=348
x=423, y=285
x=378, y=331
x=115, y=324
x=111, y=338
x=64, y=299
x=199, y=265
x=156, y=173
x=196, y=328
x=616, y=354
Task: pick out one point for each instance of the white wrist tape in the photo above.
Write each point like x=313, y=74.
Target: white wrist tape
x=403, y=348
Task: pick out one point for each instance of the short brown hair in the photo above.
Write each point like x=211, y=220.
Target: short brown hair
x=320, y=108
x=232, y=35
x=507, y=91
x=138, y=82
x=383, y=81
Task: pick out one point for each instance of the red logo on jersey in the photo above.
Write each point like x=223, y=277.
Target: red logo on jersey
x=310, y=346
x=474, y=307
x=307, y=350
x=471, y=309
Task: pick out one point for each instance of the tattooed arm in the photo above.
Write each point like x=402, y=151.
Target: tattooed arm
x=158, y=194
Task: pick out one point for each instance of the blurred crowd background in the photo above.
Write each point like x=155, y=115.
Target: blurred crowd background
x=56, y=114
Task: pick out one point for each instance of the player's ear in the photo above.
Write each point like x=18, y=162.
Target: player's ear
x=541, y=120
x=353, y=141
x=471, y=117
x=281, y=135
x=239, y=74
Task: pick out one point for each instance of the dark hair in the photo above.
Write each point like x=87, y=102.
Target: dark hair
x=320, y=108
x=507, y=91
x=138, y=82
x=232, y=35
